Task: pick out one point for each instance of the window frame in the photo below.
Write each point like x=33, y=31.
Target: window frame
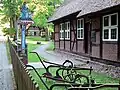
x=65, y=31
x=109, y=27
x=80, y=29
x=68, y=31
x=61, y=31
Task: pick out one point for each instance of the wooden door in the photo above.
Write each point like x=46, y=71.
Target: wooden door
x=87, y=38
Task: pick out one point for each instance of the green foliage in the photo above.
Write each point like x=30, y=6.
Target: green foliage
x=42, y=9
x=11, y=9
x=50, y=28
x=9, y=31
x=50, y=47
x=99, y=78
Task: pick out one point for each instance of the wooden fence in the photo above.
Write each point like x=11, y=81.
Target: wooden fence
x=23, y=79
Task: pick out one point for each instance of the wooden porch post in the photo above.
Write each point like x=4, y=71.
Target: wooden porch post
x=59, y=35
x=90, y=37
x=76, y=36
x=101, y=43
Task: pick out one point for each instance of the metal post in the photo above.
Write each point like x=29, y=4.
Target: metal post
x=23, y=41
x=25, y=19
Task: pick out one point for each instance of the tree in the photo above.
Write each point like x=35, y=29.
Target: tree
x=11, y=13
x=42, y=10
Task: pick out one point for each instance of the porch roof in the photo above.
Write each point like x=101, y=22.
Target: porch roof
x=84, y=6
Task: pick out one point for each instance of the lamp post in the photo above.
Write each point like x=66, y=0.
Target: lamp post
x=24, y=20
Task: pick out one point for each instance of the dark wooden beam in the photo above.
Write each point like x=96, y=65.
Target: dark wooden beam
x=84, y=37
x=118, y=52
x=76, y=36
x=54, y=37
x=101, y=42
x=59, y=35
x=70, y=34
x=64, y=37
x=56, y=41
x=90, y=37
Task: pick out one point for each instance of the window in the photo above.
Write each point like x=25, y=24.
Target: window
x=80, y=28
x=65, y=30
x=110, y=27
x=62, y=31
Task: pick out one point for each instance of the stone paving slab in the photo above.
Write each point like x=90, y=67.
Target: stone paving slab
x=6, y=82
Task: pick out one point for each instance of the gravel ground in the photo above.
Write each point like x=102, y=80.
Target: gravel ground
x=6, y=82
x=109, y=70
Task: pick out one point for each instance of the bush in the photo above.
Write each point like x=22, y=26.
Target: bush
x=9, y=31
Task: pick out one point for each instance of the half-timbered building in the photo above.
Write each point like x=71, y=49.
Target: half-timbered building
x=90, y=28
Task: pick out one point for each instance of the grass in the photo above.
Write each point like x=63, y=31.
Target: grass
x=35, y=38
x=32, y=45
x=32, y=57
x=48, y=82
x=99, y=78
x=8, y=52
x=51, y=46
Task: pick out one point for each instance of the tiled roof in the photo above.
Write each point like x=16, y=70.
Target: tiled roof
x=97, y=5
x=85, y=6
x=65, y=10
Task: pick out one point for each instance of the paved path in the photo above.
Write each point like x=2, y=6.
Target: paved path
x=6, y=82
x=52, y=56
x=59, y=57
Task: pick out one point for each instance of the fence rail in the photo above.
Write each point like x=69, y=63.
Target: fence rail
x=23, y=79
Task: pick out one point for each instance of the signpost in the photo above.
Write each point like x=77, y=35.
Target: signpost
x=25, y=19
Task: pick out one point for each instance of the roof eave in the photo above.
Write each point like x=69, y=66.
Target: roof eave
x=53, y=20
x=97, y=11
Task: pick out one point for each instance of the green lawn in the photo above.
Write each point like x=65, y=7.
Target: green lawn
x=8, y=52
x=99, y=78
x=32, y=45
x=51, y=46
x=35, y=38
x=32, y=57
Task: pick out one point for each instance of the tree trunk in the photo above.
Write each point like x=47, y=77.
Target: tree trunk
x=46, y=36
x=11, y=24
x=16, y=27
